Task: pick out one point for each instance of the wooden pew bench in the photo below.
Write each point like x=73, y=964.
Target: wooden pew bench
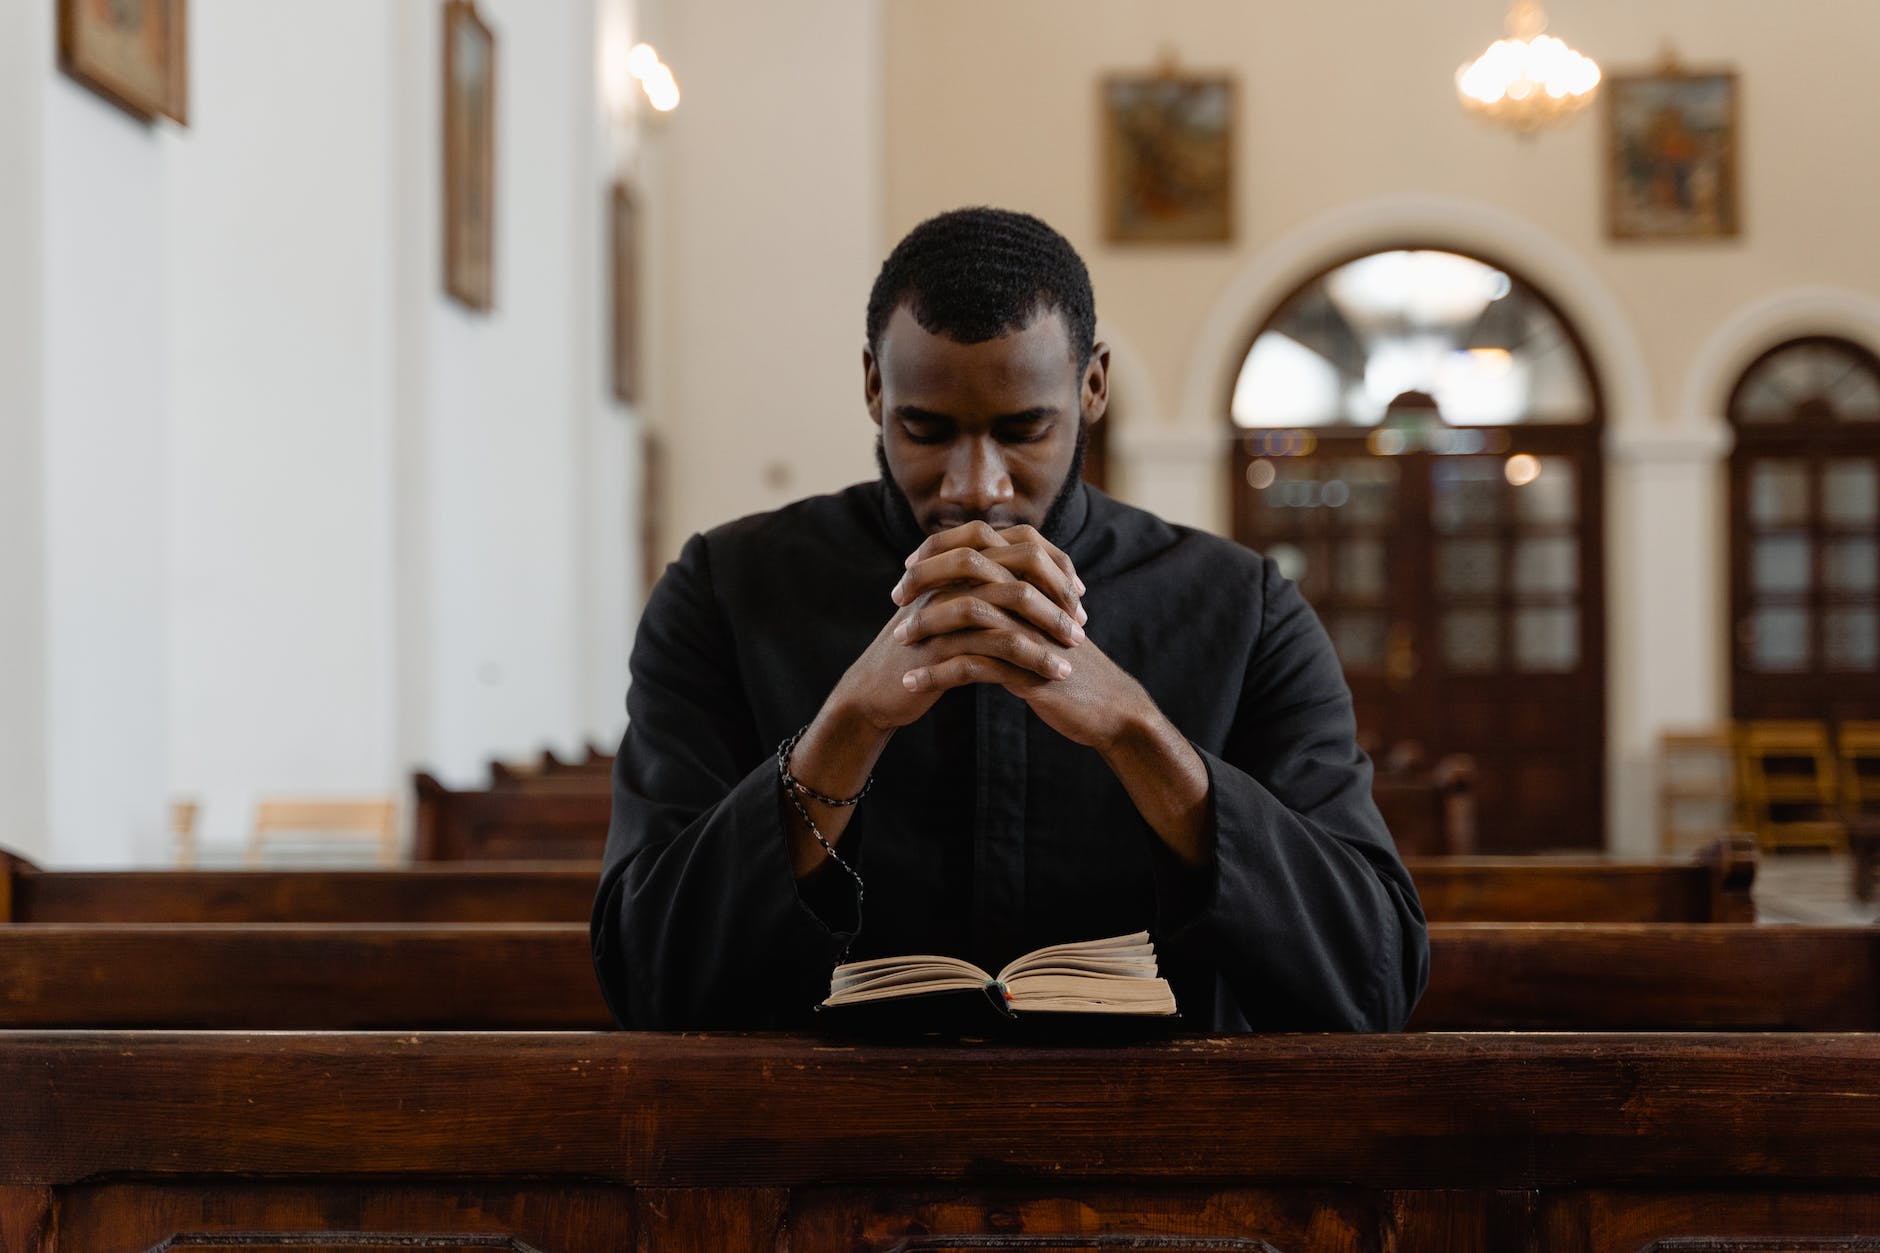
x=575, y=1143
x=559, y=891
x=494, y=976
x=1713, y=888
x=562, y=818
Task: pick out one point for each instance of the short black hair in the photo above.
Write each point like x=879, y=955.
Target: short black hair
x=976, y=274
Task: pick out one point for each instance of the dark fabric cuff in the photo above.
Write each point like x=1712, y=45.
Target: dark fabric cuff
x=1183, y=892
x=827, y=893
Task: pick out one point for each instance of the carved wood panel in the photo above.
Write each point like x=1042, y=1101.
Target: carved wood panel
x=1711, y=1222
x=1142, y=1221
x=246, y=1217
x=25, y=1212
x=341, y=1242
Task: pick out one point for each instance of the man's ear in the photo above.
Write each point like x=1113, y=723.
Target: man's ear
x=871, y=385
x=1096, y=389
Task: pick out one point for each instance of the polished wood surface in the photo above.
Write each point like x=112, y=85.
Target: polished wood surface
x=1715, y=887
x=434, y=892
x=564, y=820
x=570, y=1143
x=325, y=976
x=497, y=976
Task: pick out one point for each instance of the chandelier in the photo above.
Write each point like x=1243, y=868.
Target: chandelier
x=1530, y=79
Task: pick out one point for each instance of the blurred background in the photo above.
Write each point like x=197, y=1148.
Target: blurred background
x=360, y=363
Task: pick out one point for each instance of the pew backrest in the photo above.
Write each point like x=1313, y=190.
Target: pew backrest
x=1714, y=886
x=513, y=976
x=499, y=824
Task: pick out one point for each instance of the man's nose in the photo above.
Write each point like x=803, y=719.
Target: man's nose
x=976, y=479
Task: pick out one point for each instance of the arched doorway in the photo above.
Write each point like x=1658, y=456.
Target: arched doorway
x=1418, y=445
x=1805, y=533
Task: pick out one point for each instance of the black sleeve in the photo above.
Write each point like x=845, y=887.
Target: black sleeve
x=698, y=921
x=1307, y=912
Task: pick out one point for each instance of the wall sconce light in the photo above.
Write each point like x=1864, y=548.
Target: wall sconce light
x=654, y=77
x=636, y=75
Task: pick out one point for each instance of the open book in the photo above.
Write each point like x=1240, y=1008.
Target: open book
x=1110, y=976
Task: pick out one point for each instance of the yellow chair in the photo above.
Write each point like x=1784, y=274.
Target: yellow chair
x=1787, y=785
x=1859, y=743
x=326, y=820
x=183, y=815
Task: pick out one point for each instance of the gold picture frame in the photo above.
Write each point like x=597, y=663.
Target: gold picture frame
x=469, y=156
x=623, y=233
x=1168, y=157
x=134, y=53
x=1672, y=159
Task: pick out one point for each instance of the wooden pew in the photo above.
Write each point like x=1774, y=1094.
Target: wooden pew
x=1715, y=886
x=558, y=822
x=308, y=976
x=580, y=1143
x=1484, y=976
x=1430, y=813
x=435, y=892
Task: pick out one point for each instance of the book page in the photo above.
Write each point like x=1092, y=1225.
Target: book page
x=1076, y=993
x=881, y=977
x=1131, y=954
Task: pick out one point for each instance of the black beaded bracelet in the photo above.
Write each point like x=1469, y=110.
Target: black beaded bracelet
x=795, y=789
x=799, y=787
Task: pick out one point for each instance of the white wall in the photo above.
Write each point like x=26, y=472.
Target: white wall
x=105, y=410
x=280, y=518
x=280, y=324
x=25, y=34
x=768, y=233
x=522, y=452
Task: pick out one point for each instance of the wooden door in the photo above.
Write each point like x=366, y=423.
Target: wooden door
x=1462, y=590
x=1805, y=534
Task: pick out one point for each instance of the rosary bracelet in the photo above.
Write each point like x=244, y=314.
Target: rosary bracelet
x=795, y=789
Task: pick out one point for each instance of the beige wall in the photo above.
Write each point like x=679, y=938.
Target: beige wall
x=1350, y=137
x=994, y=101
x=765, y=232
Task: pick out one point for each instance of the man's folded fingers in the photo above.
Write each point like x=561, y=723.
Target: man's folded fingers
x=998, y=605
x=959, y=565
x=967, y=669
x=1015, y=645
x=975, y=534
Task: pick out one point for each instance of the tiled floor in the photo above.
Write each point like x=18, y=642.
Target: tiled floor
x=1809, y=886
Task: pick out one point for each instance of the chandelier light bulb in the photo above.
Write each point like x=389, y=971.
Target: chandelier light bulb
x=1530, y=79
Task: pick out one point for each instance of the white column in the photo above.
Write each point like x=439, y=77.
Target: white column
x=103, y=449
x=25, y=43
x=1667, y=591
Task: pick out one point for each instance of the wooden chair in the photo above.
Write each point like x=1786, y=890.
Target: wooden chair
x=183, y=816
x=1859, y=745
x=1430, y=813
x=1786, y=780
x=1696, y=789
x=326, y=820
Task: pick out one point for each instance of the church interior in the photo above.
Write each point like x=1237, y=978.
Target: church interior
x=345, y=431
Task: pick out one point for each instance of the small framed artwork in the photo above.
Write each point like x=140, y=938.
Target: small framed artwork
x=134, y=53
x=623, y=231
x=469, y=155
x=1671, y=155
x=1168, y=143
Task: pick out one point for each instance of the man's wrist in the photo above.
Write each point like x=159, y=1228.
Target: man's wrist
x=838, y=750
x=1166, y=779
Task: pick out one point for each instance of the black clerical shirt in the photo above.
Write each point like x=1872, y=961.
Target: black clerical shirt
x=988, y=834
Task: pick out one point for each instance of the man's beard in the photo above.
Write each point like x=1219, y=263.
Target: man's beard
x=1060, y=503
